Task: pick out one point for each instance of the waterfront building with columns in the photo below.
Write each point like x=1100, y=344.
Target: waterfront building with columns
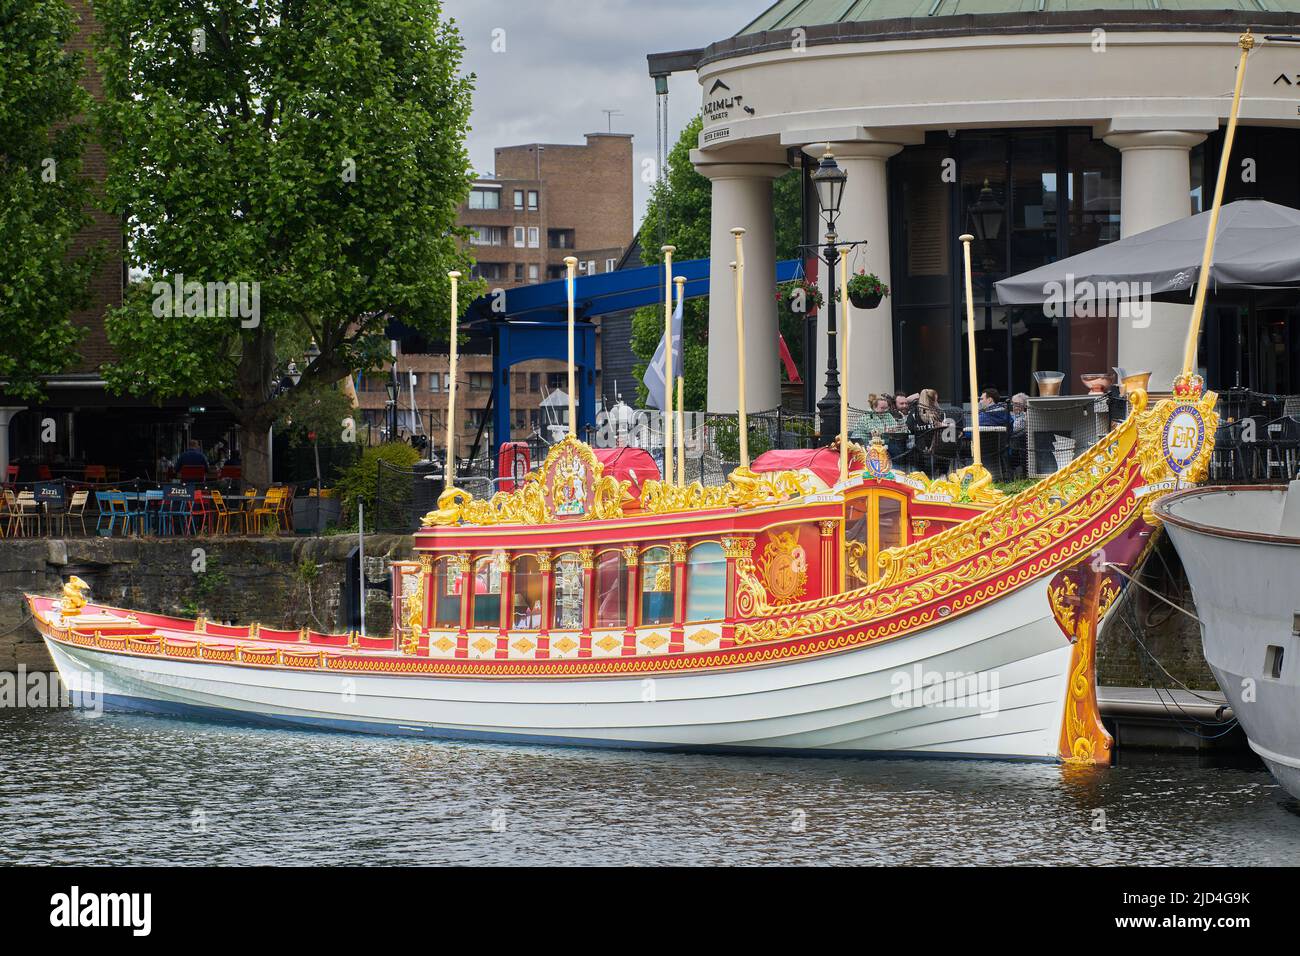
x=1041, y=128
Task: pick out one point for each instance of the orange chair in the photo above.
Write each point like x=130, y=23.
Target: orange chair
x=225, y=516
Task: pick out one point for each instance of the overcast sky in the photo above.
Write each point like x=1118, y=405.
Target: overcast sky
x=567, y=60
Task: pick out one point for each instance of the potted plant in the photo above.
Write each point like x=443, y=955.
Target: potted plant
x=866, y=290
x=800, y=296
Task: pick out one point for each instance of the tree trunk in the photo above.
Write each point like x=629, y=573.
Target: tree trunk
x=255, y=446
x=256, y=379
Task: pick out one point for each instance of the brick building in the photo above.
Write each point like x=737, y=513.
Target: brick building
x=544, y=202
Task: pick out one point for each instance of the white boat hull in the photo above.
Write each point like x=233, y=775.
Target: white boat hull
x=991, y=684
x=1244, y=570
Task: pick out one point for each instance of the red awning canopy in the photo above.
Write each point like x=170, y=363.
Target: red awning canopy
x=822, y=462
x=628, y=464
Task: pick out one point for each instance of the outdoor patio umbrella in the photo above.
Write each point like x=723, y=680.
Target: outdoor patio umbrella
x=1257, y=247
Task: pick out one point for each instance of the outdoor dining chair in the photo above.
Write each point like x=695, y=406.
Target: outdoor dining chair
x=75, y=512
x=268, y=509
x=124, y=508
x=27, y=513
x=225, y=516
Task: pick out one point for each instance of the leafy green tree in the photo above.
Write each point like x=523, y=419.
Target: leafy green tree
x=307, y=154
x=678, y=214
x=43, y=195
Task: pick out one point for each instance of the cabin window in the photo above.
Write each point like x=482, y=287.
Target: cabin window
x=570, y=596
x=487, y=593
x=527, y=600
x=656, y=587
x=706, y=583
x=446, y=603
x=889, y=527
x=611, y=589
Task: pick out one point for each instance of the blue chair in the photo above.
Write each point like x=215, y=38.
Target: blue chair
x=105, y=513
x=151, y=505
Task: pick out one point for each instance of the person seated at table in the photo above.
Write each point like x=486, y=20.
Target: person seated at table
x=192, y=457
x=992, y=410
x=1019, y=412
x=874, y=422
x=925, y=411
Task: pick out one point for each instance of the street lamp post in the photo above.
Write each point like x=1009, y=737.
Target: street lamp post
x=829, y=181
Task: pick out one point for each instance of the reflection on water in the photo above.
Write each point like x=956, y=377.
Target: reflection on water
x=145, y=790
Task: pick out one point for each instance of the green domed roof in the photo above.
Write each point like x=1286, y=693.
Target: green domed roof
x=788, y=14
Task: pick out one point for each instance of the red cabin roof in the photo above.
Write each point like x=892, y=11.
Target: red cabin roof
x=822, y=462
x=628, y=464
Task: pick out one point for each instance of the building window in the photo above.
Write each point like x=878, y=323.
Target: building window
x=519, y=199
x=519, y=272
x=480, y=381
x=611, y=590
x=488, y=270
x=591, y=267
x=706, y=583
x=558, y=380
x=487, y=593
x=656, y=587
x=532, y=276
x=560, y=238
x=435, y=381
x=532, y=199
x=520, y=237
x=487, y=235
x=610, y=266
x=534, y=237
x=485, y=199
x=535, y=380
x=527, y=601
x=570, y=595
x=555, y=272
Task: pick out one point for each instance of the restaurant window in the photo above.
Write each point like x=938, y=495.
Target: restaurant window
x=446, y=589
x=570, y=593
x=706, y=583
x=527, y=600
x=487, y=593
x=611, y=589
x=656, y=587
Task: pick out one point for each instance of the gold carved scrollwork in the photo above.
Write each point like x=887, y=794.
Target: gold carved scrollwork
x=545, y=561
x=678, y=551
x=528, y=503
x=631, y=556
x=744, y=489
x=828, y=528
x=1084, y=504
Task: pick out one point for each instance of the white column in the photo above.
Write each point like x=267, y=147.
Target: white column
x=742, y=196
x=864, y=215
x=1155, y=188
x=7, y=414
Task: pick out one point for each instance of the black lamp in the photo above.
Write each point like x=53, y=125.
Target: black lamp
x=986, y=215
x=829, y=180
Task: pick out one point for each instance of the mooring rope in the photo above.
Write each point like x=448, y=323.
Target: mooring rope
x=1154, y=593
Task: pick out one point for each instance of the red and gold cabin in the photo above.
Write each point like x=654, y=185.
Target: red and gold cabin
x=595, y=556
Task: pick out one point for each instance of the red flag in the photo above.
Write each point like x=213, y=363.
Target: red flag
x=791, y=371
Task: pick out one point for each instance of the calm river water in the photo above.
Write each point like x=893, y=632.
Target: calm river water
x=118, y=789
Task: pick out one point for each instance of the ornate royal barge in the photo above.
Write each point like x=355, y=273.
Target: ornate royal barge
x=883, y=614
